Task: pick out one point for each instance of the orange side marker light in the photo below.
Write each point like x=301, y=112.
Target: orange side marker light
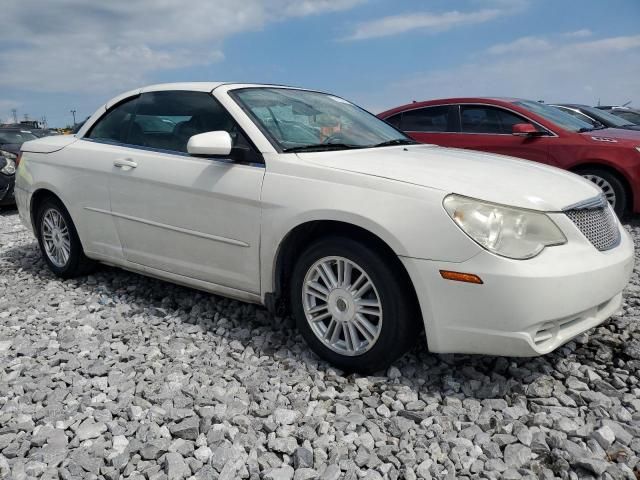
x=461, y=277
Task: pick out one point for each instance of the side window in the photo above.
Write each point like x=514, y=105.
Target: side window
x=428, y=119
x=485, y=119
x=166, y=120
x=394, y=120
x=509, y=119
x=114, y=125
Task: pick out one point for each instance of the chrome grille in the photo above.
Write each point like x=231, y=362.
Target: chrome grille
x=599, y=225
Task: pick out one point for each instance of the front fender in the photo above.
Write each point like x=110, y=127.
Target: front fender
x=410, y=219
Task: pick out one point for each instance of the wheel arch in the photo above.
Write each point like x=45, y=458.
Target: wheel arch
x=602, y=165
x=41, y=194
x=37, y=198
x=300, y=236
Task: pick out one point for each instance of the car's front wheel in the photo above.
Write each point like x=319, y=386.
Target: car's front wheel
x=59, y=242
x=354, y=308
x=611, y=186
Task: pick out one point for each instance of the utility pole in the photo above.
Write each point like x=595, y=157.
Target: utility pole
x=26, y=117
x=73, y=112
x=14, y=112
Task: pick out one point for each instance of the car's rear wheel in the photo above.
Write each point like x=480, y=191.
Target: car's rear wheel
x=353, y=308
x=611, y=186
x=59, y=242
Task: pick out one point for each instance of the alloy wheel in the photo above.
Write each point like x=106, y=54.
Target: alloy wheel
x=56, y=238
x=605, y=186
x=342, y=305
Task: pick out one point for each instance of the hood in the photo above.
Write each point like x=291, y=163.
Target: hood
x=10, y=147
x=614, y=135
x=495, y=178
x=48, y=144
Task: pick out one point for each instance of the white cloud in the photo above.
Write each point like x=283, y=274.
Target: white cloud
x=570, y=71
x=521, y=45
x=312, y=7
x=80, y=46
x=431, y=22
x=585, y=32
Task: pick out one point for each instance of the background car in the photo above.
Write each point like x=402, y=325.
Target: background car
x=44, y=132
x=11, y=139
x=628, y=113
x=597, y=117
x=534, y=131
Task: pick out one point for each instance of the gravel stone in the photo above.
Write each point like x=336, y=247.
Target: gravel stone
x=281, y=473
x=542, y=387
x=187, y=429
x=604, y=436
x=175, y=466
x=283, y=416
x=332, y=472
x=90, y=429
x=305, y=474
x=115, y=375
x=203, y=454
x=516, y=455
x=302, y=458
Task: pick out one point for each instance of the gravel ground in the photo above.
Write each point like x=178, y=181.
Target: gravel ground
x=117, y=375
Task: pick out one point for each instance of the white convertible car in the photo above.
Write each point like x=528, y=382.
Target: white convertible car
x=303, y=202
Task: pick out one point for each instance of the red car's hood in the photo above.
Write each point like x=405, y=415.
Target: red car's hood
x=614, y=135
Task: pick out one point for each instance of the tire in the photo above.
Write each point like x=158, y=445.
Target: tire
x=611, y=186
x=57, y=233
x=372, y=345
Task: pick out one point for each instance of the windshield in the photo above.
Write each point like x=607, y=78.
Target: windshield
x=605, y=118
x=16, y=136
x=305, y=120
x=631, y=116
x=555, y=115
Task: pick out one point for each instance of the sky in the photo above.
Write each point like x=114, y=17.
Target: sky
x=59, y=55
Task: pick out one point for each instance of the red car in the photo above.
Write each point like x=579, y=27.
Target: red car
x=532, y=130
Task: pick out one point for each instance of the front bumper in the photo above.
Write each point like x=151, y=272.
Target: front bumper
x=524, y=307
x=7, y=183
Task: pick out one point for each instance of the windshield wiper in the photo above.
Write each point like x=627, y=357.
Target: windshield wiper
x=585, y=129
x=395, y=141
x=320, y=147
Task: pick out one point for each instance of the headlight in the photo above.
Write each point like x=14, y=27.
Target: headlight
x=638, y=149
x=507, y=231
x=9, y=168
x=9, y=155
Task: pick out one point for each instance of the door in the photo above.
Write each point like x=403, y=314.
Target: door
x=190, y=216
x=488, y=128
x=91, y=162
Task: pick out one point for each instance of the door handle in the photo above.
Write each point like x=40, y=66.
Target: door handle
x=124, y=162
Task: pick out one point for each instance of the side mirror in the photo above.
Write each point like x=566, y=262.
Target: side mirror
x=213, y=144
x=524, y=130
